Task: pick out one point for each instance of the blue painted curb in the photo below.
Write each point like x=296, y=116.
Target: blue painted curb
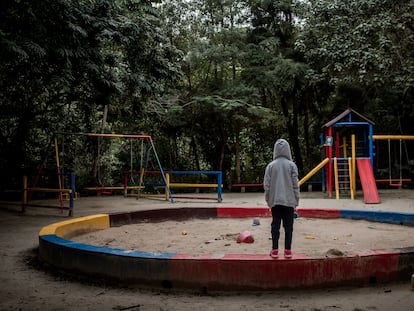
x=52, y=238
x=406, y=219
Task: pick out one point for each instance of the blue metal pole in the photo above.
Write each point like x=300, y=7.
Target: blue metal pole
x=162, y=173
x=371, y=146
x=220, y=182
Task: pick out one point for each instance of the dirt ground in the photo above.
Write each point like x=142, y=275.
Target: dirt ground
x=27, y=285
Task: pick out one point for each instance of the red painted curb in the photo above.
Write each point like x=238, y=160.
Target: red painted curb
x=318, y=213
x=245, y=212
x=253, y=272
x=242, y=212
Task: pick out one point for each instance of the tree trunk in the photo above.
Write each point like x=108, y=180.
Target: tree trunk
x=238, y=158
x=292, y=127
x=294, y=137
x=195, y=153
x=96, y=172
x=306, y=132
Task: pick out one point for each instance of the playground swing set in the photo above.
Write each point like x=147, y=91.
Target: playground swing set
x=394, y=181
x=133, y=180
x=130, y=187
x=29, y=190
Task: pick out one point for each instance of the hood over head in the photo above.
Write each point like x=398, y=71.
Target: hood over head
x=282, y=149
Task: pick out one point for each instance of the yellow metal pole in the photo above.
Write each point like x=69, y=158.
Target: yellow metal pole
x=393, y=137
x=167, y=186
x=351, y=179
x=353, y=168
x=336, y=178
x=344, y=147
x=141, y=181
x=57, y=153
x=313, y=171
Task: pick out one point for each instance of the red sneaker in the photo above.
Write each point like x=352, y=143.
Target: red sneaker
x=274, y=253
x=288, y=253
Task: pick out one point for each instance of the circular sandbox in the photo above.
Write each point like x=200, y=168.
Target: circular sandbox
x=224, y=271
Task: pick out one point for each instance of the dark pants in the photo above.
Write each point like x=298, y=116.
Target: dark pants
x=286, y=214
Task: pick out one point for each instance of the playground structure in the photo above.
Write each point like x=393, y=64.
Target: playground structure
x=131, y=186
x=348, y=140
x=392, y=180
x=149, y=145
x=175, y=184
x=28, y=190
x=349, y=148
x=70, y=192
x=60, y=190
x=348, y=143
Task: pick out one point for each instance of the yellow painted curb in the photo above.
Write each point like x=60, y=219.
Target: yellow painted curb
x=70, y=228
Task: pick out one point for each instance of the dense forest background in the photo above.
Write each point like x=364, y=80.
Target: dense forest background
x=214, y=82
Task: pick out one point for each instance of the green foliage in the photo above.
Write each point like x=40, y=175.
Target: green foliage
x=363, y=51
x=63, y=61
x=361, y=42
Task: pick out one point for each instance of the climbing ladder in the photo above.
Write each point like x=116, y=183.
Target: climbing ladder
x=342, y=177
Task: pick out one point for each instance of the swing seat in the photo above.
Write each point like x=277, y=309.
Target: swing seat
x=103, y=190
x=395, y=185
x=106, y=190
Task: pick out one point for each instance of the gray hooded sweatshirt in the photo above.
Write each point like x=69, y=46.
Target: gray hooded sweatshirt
x=281, y=177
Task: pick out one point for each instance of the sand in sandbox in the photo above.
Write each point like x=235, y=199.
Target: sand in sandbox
x=312, y=237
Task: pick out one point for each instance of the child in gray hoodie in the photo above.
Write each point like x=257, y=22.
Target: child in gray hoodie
x=281, y=188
